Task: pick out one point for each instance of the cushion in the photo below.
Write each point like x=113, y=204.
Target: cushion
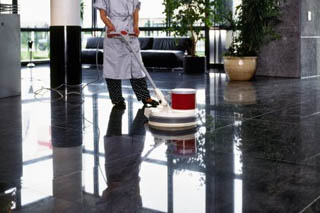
x=89, y=56
x=162, y=58
x=92, y=43
x=145, y=43
x=171, y=43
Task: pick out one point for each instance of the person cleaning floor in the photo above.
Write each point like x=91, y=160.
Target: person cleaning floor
x=119, y=63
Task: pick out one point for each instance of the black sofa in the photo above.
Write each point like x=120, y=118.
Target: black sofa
x=92, y=51
x=167, y=52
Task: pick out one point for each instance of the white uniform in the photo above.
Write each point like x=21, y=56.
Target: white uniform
x=118, y=62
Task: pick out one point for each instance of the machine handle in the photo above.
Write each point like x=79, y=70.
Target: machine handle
x=124, y=33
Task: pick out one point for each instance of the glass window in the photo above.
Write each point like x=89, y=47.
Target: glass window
x=35, y=13
x=86, y=13
x=151, y=14
x=153, y=34
x=40, y=45
x=4, y=7
x=5, y=1
x=99, y=22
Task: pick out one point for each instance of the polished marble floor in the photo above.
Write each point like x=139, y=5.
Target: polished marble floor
x=256, y=148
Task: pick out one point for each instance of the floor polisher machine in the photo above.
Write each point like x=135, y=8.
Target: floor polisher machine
x=182, y=113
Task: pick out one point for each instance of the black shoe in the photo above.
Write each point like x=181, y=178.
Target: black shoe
x=120, y=105
x=150, y=103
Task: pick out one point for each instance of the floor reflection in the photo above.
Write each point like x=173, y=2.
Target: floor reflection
x=122, y=164
x=240, y=93
x=66, y=140
x=255, y=148
x=11, y=160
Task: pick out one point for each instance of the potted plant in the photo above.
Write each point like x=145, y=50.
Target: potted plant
x=253, y=26
x=186, y=18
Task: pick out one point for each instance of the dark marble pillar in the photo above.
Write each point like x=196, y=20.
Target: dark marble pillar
x=281, y=58
x=310, y=38
x=74, y=71
x=297, y=53
x=57, y=56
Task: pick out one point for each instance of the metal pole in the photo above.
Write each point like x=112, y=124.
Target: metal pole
x=94, y=16
x=207, y=41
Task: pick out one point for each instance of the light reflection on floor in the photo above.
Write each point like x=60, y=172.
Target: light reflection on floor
x=251, y=149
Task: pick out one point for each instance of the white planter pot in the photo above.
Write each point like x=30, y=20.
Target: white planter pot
x=240, y=68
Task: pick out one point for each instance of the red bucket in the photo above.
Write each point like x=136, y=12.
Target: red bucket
x=183, y=99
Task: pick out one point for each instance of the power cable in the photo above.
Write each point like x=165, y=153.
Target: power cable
x=80, y=86
x=64, y=97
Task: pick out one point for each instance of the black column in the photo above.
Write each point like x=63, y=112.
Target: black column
x=57, y=56
x=65, y=56
x=74, y=71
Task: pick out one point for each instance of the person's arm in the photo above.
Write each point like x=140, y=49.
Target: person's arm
x=136, y=22
x=107, y=21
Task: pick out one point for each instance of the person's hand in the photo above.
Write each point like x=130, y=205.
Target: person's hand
x=110, y=29
x=136, y=30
